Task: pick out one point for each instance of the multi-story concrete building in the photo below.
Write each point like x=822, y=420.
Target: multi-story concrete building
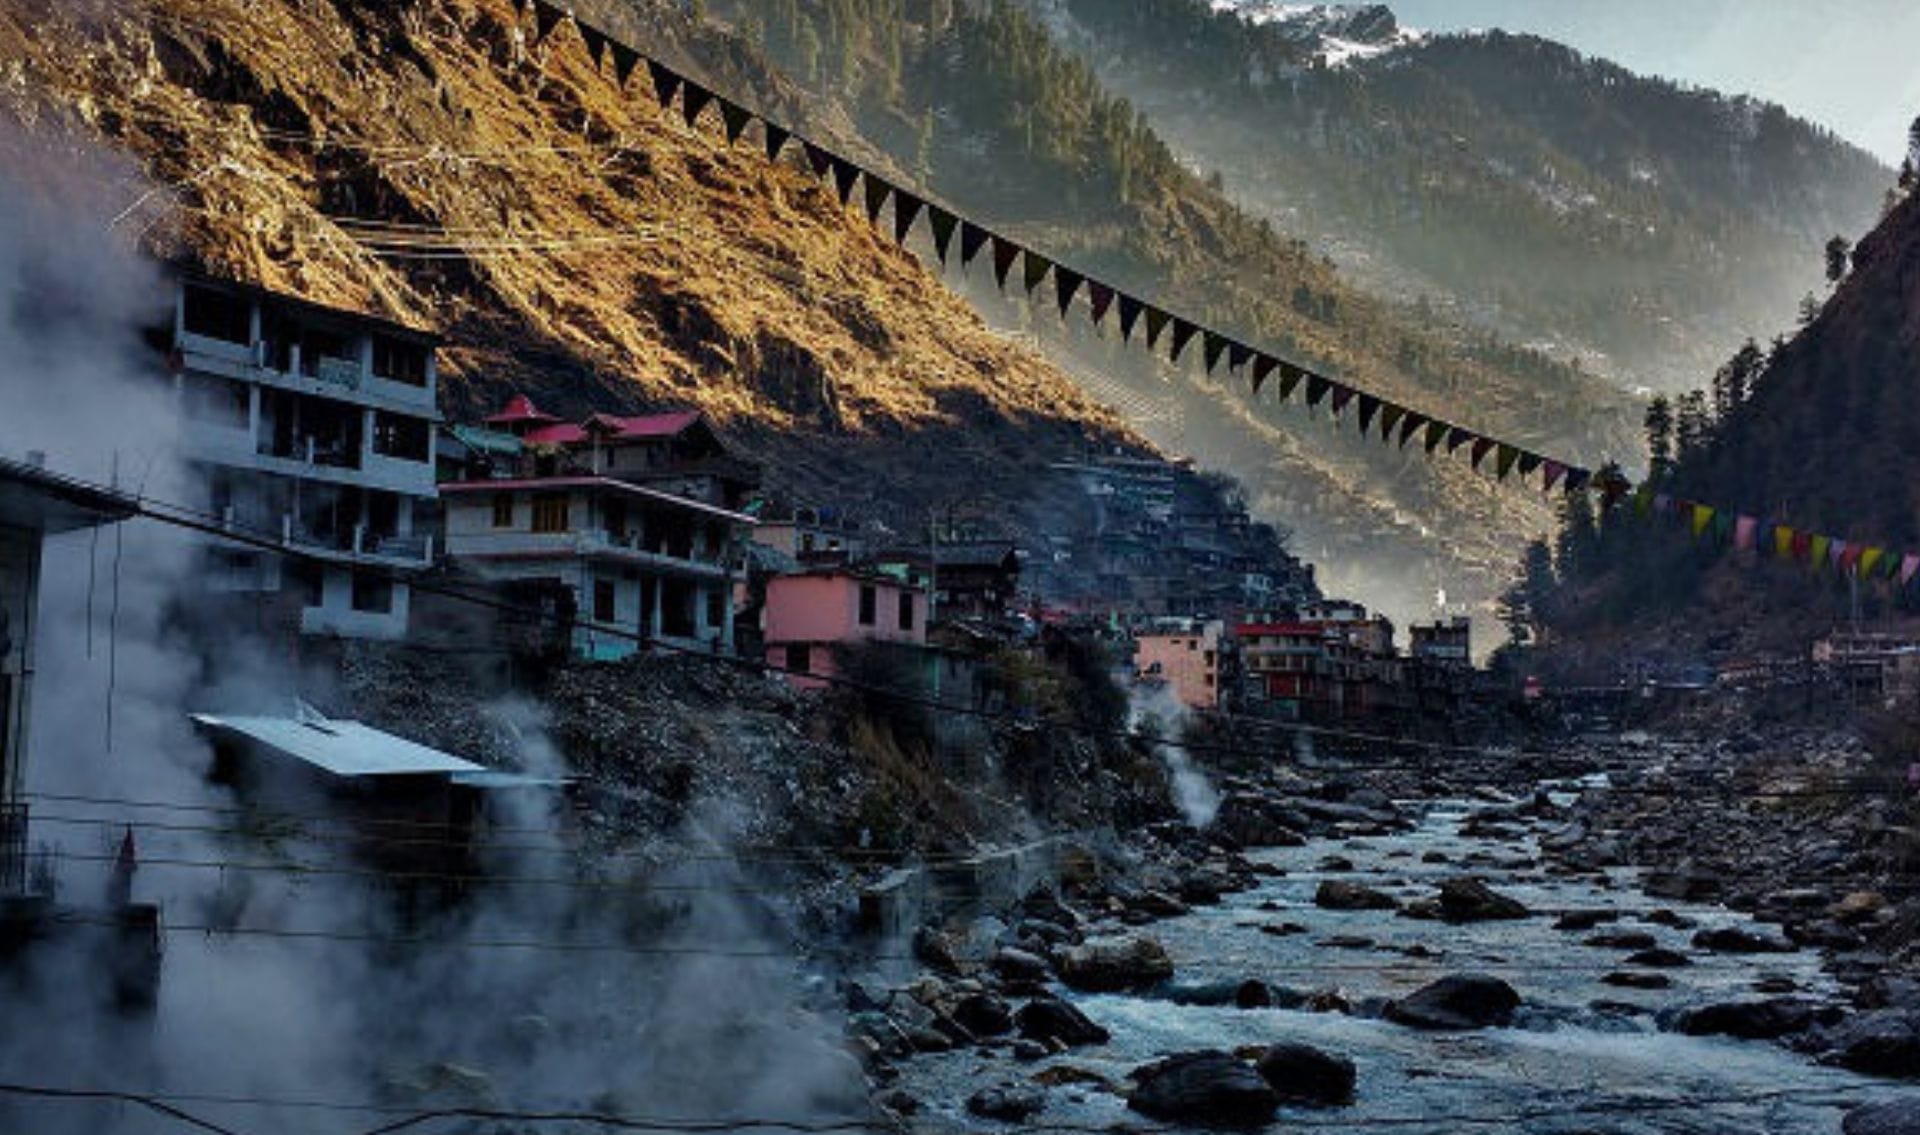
x=314, y=429
x=1187, y=655
x=812, y=613
x=638, y=517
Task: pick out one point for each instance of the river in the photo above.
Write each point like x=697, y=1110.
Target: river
x=1582, y=1056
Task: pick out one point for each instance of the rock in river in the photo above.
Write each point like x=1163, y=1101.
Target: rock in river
x=1051, y=1019
x=1884, y=1043
x=1739, y=940
x=1767, y=1019
x=1301, y=1073
x=1462, y=1001
x=1211, y=1088
x=1110, y=965
x=1010, y=1103
x=1336, y=894
x=1470, y=900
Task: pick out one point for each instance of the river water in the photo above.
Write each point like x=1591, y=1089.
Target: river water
x=1581, y=1057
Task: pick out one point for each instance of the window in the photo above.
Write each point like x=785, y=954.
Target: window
x=503, y=510
x=603, y=601
x=399, y=361
x=372, y=593
x=869, y=605
x=906, y=610
x=398, y=436
x=550, y=512
x=717, y=610
x=218, y=315
x=799, y=658
x=217, y=401
x=1193, y=644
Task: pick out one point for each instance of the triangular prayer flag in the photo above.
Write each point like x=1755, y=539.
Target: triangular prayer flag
x=1238, y=355
x=1870, y=560
x=819, y=158
x=1410, y=426
x=777, y=137
x=906, y=207
x=1389, y=417
x=1099, y=299
x=1036, y=269
x=1317, y=388
x=878, y=190
x=1578, y=479
x=1156, y=323
x=693, y=99
x=1457, y=437
x=1643, y=499
x=736, y=118
x=1437, y=430
x=1743, y=533
x=1503, y=461
x=1529, y=462
x=1130, y=311
x=1262, y=367
x=1481, y=447
x=546, y=17
x=1661, y=504
x=666, y=82
x=1844, y=555
x=1212, y=346
x=1909, y=564
x=1554, y=471
x=1818, y=549
x=1722, y=525
x=1369, y=406
x=1183, y=333
x=943, y=224
x=625, y=59
x=1802, y=545
x=1065, y=283
x=1005, y=252
x=972, y=239
x=1342, y=394
x=596, y=41
x=1782, y=541
x=1290, y=377
x=845, y=176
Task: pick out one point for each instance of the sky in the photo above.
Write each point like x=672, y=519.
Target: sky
x=1850, y=65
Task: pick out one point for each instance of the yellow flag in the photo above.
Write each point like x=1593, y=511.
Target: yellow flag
x=1702, y=516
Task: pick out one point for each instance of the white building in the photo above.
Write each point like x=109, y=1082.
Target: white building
x=640, y=518
x=315, y=429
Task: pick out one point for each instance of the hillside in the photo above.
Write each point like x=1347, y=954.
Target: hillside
x=1558, y=199
x=978, y=103
x=1823, y=440
x=620, y=259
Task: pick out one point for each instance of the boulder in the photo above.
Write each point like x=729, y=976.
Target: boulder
x=1011, y=964
x=1470, y=900
x=1893, y=1117
x=1740, y=940
x=1881, y=1043
x=1111, y=965
x=1623, y=940
x=1659, y=958
x=1050, y=1020
x=1767, y=1019
x=1252, y=821
x=1337, y=894
x=1585, y=919
x=1300, y=1073
x=1209, y=1088
x=1461, y=1001
x=983, y=1015
x=1858, y=907
x=1631, y=980
x=1009, y=1103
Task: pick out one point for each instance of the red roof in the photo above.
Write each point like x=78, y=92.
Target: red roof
x=625, y=429
x=1255, y=630
x=520, y=408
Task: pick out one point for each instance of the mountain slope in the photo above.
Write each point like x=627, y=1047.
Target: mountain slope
x=628, y=261
x=979, y=104
x=1560, y=199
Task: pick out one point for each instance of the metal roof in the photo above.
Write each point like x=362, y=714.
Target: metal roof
x=31, y=497
x=342, y=748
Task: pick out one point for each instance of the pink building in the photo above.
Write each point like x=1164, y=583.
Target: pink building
x=810, y=613
x=1186, y=657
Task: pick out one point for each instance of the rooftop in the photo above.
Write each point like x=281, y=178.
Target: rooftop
x=342, y=748
x=31, y=497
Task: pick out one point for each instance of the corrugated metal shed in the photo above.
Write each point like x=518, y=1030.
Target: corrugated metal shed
x=342, y=748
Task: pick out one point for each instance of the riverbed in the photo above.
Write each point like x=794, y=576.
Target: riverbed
x=1582, y=1055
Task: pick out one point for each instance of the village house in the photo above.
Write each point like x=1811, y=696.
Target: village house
x=814, y=613
x=1334, y=662
x=1184, y=655
x=313, y=428
x=34, y=504
x=641, y=518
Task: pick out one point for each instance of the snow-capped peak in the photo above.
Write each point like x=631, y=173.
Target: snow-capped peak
x=1339, y=33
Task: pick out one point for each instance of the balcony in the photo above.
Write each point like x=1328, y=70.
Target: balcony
x=627, y=549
